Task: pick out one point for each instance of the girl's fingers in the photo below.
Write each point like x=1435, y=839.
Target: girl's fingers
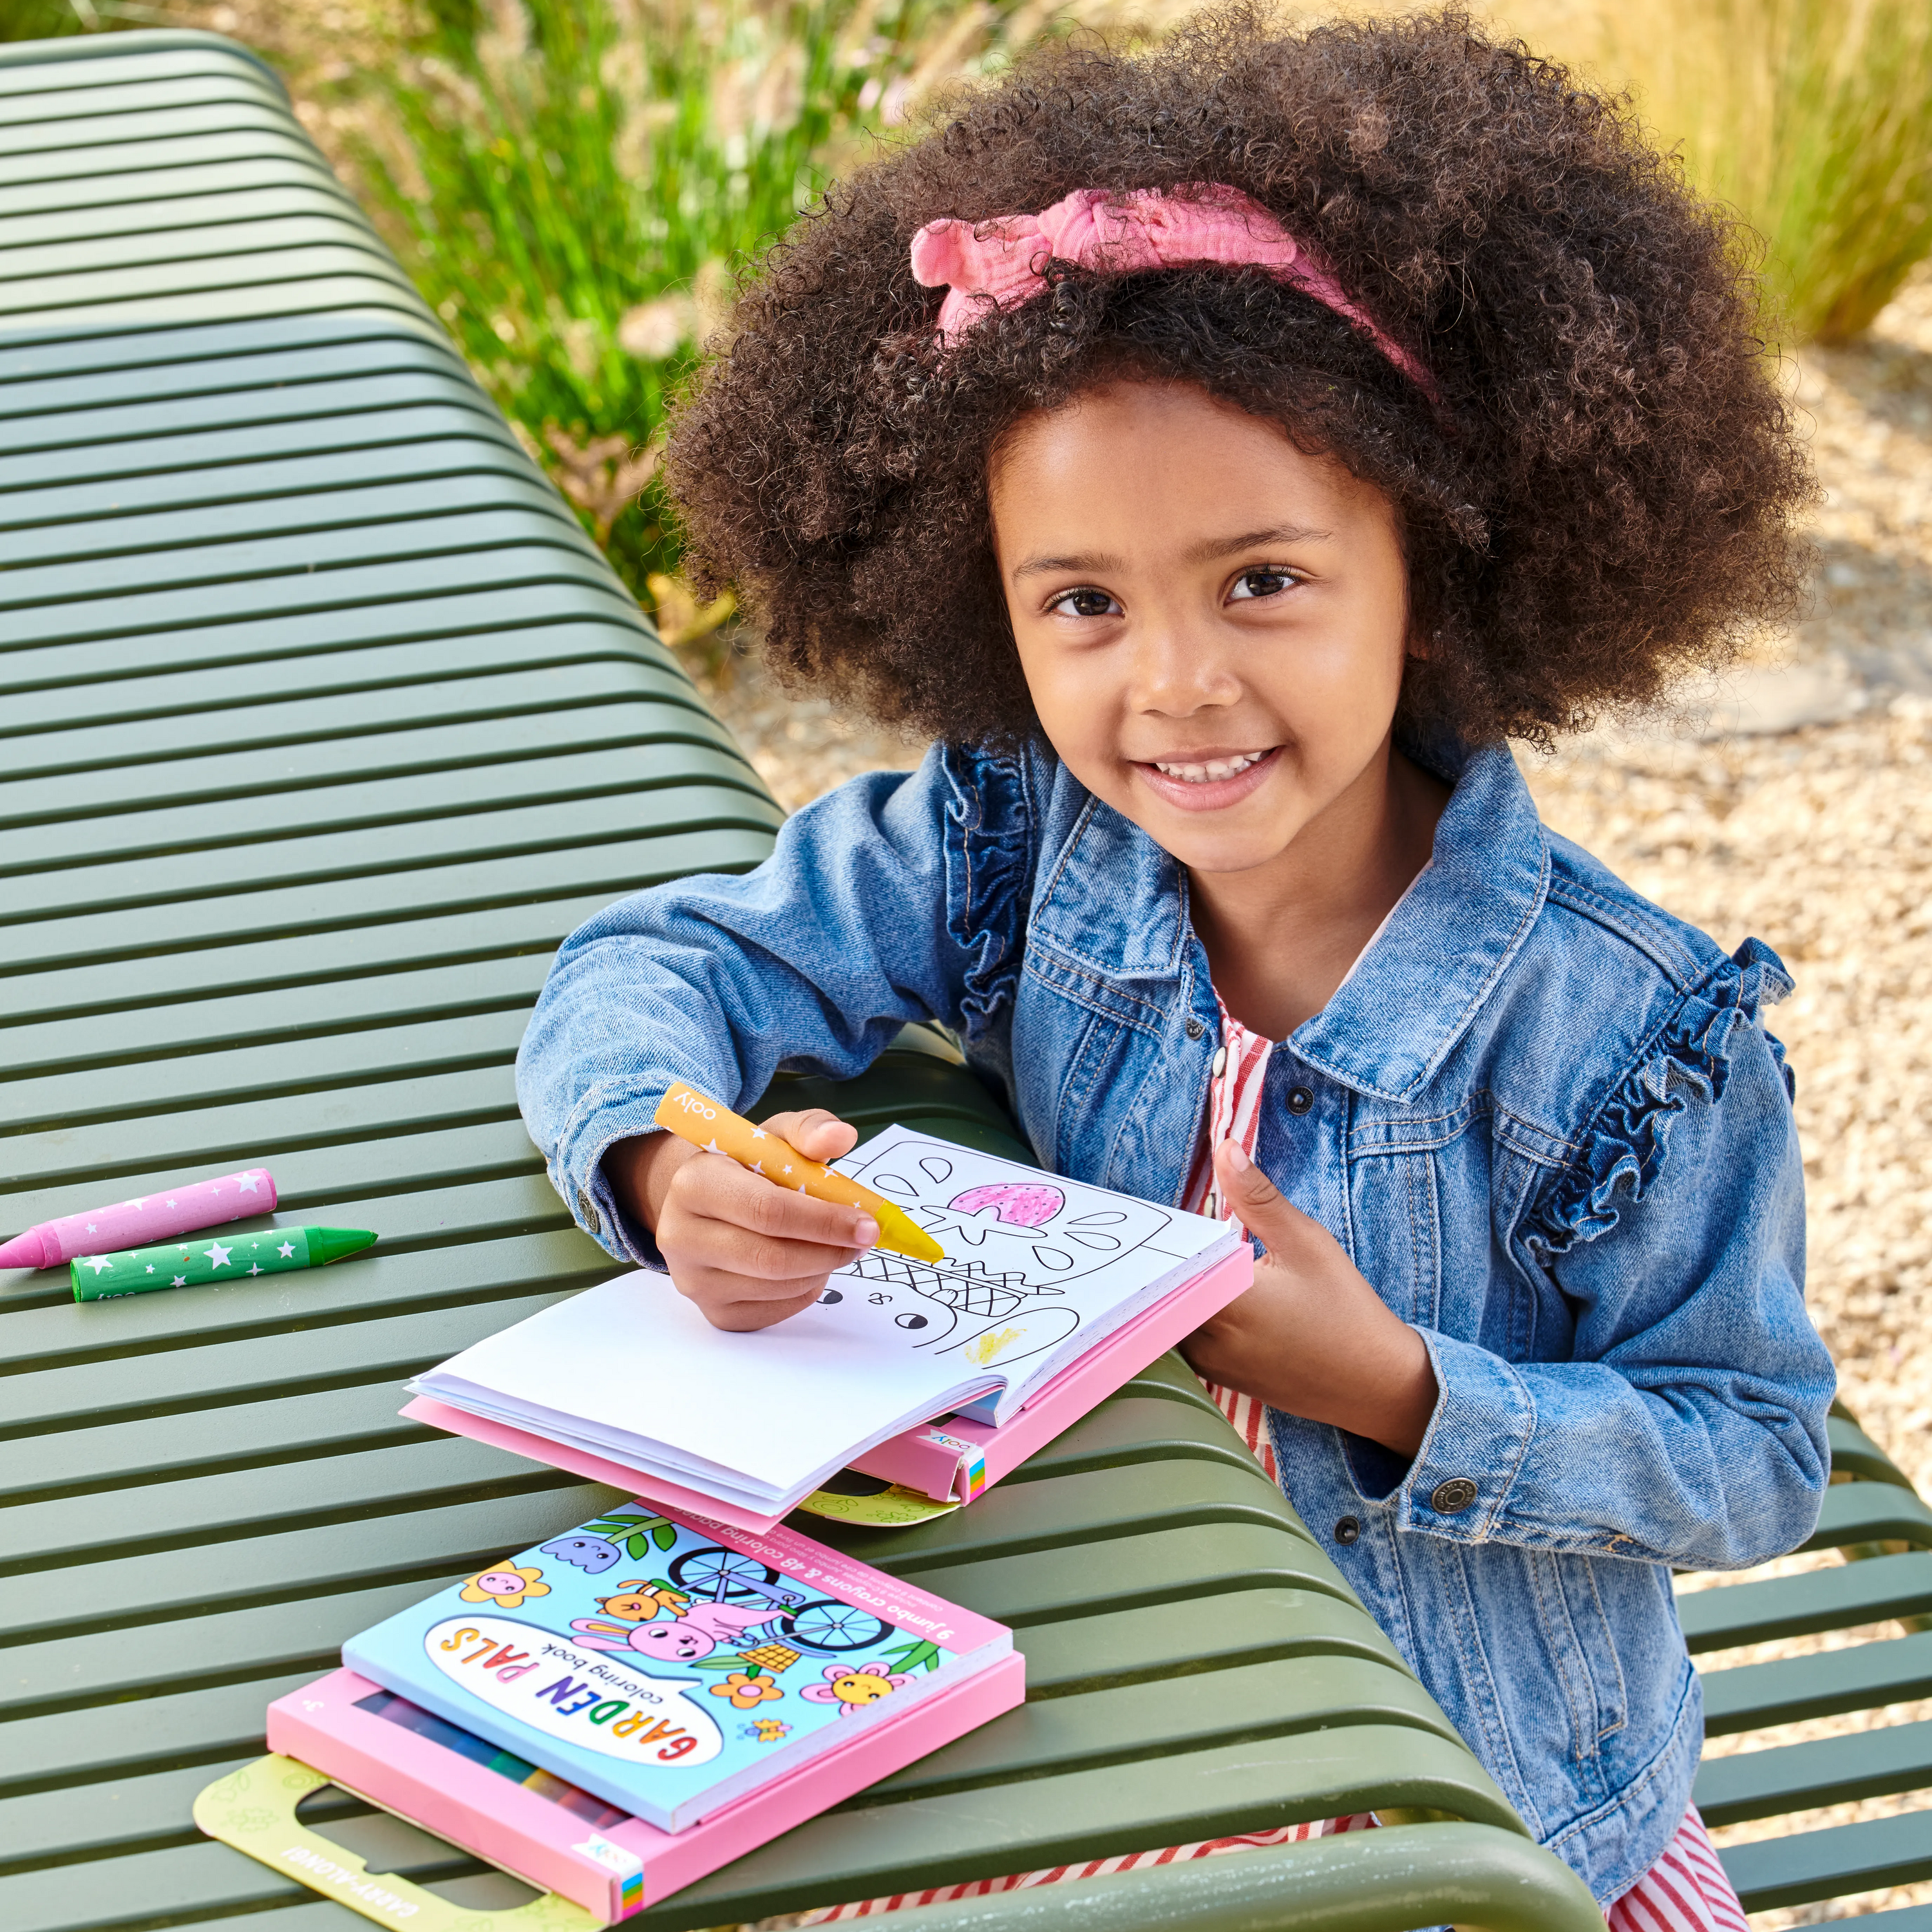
x=816, y=1133
x=1280, y=1226
x=724, y=1307
x=749, y=1251
x=718, y=1189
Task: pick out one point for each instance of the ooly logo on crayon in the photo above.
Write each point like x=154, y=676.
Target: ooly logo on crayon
x=691, y=1104
x=599, y=1704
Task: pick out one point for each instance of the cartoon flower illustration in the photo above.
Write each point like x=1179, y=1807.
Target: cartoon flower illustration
x=747, y=1690
x=766, y=1730
x=506, y=1588
x=852, y=1686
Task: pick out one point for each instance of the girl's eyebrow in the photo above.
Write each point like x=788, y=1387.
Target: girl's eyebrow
x=1286, y=533
x=1049, y=566
x=1202, y=553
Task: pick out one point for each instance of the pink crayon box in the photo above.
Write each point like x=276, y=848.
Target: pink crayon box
x=505, y=1811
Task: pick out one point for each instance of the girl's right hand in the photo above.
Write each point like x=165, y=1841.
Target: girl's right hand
x=749, y=1252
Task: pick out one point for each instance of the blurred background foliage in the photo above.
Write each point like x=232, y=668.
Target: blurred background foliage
x=575, y=183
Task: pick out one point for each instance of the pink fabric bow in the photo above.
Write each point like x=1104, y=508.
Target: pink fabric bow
x=999, y=264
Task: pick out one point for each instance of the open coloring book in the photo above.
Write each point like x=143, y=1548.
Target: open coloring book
x=1038, y=1270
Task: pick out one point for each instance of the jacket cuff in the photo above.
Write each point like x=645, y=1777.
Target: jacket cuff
x=1460, y=1483
x=578, y=1174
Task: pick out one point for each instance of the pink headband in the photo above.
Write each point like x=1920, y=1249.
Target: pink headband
x=999, y=264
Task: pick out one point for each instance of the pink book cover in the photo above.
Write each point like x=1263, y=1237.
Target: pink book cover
x=553, y=1834
x=960, y=1459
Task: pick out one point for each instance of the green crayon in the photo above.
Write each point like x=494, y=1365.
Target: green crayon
x=189, y=1263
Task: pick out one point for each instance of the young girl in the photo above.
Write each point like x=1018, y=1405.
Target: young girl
x=1222, y=452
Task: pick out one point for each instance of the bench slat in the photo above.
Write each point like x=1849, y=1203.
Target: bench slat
x=1804, y=1866
x=1871, y=1512
x=266, y=202
x=429, y=616
x=287, y=1012
x=107, y=160
x=134, y=1385
x=1819, y=1771
x=1834, y=1599
x=399, y=670
x=322, y=420
x=297, y=593
x=1788, y=1690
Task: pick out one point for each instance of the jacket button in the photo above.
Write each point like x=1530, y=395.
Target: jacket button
x=1348, y=1530
x=1196, y=1028
x=1453, y=1497
x=1300, y=1099
x=587, y=1210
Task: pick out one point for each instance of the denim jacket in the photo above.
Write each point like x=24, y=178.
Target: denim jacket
x=1543, y=1117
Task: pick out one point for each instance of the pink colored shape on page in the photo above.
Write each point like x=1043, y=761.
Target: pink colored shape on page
x=1019, y=1204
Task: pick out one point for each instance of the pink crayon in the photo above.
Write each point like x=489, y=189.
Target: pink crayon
x=140, y=1223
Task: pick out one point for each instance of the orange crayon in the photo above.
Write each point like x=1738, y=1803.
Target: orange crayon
x=711, y=1125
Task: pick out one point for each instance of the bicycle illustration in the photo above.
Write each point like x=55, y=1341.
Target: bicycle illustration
x=824, y=1625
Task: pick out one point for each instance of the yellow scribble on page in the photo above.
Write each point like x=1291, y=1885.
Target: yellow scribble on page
x=990, y=1346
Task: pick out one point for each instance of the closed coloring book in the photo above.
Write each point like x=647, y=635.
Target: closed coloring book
x=670, y=1665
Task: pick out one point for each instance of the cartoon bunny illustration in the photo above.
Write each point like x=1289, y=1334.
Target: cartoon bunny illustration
x=691, y=1634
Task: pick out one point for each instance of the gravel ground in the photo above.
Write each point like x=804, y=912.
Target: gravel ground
x=1789, y=802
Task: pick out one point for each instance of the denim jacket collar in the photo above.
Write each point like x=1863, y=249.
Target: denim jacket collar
x=1114, y=904
x=1397, y=1017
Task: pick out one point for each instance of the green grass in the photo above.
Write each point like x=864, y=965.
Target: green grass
x=574, y=186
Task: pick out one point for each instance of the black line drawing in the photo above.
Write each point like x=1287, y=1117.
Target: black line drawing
x=1015, y=1241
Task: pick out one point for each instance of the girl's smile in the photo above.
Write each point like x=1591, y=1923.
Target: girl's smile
x=1207, y=781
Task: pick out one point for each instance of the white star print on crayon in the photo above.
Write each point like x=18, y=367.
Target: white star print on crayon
x=757, y=1133
x=171, y=1201
x=248, y=1185
x=181, y=1281
x=757, y=1167
x=287, y=1249
x=712, y=1146
x=255, y=1267
x=92, y=1228
x=217, y=1254
x=151, y=1267
x=99, y=1263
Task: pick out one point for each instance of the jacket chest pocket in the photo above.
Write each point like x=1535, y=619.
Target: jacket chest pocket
x=1395, y=1206
x=1577, y=1625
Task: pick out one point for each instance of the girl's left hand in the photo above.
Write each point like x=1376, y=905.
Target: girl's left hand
x=1311, y=1336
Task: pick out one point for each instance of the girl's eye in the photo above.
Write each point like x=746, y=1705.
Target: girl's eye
x=1264, y=581
x=1085, y=602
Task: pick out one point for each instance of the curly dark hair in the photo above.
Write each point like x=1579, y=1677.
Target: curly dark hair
x=1600, y=496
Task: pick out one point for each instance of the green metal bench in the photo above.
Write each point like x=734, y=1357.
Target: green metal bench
x=323, y=722
x=1872, y=1515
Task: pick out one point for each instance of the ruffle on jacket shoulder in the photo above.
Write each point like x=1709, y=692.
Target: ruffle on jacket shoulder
x=990, y=839
x=1689, y=1059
